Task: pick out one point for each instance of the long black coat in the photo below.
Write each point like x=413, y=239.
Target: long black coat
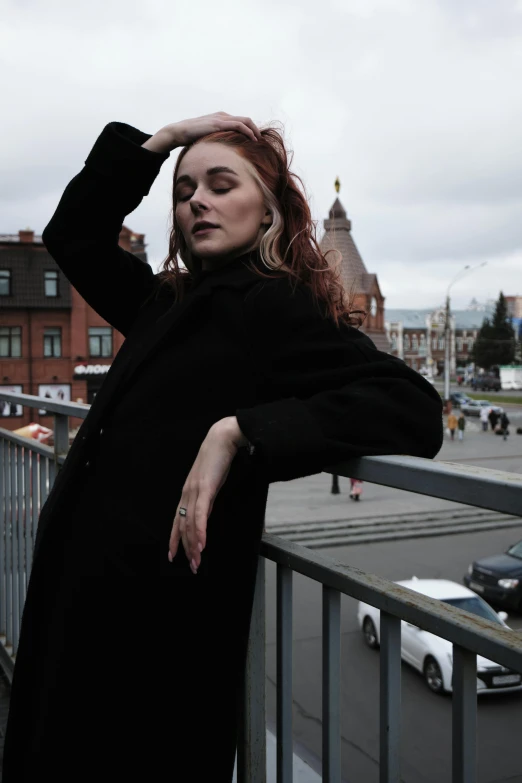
x=129, y=666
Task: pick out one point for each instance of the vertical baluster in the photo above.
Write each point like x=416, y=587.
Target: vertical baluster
x=390, y=698
x=464, y=716
x=285, y=751
x=251, y=748
x=3, y=526
x=15, y=532
x=331, y=685
x=36, y=460
x=8, y=562
x=28, y=524
x=23, y=454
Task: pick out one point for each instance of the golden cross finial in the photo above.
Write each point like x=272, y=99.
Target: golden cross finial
x=337, y=185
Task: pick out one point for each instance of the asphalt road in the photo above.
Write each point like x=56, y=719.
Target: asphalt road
x=426, y=718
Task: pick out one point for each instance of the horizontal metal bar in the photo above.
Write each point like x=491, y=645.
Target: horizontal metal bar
x=29, y=443
x=77, y=409
x=474, y=486
x=468, y=630
x=464, y=717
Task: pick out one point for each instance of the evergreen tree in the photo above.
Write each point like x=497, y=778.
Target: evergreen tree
x=495, y=343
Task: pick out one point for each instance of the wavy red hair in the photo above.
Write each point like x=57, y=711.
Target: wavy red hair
x=289, y=244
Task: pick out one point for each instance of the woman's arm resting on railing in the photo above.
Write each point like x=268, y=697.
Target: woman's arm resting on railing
x=331, y=395
x=82, y=236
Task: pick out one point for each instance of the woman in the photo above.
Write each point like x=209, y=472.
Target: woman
x=136, y=621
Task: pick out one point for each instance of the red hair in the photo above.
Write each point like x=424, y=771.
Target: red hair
x=289, y=244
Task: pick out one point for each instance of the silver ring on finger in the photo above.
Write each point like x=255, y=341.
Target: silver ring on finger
x=183, y=512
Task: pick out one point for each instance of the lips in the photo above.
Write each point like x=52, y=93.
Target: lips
x=201, y=226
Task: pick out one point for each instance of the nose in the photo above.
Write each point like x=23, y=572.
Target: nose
x=196, y=204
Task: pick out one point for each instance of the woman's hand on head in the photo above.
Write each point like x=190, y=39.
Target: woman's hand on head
x=207, y=476
x=187, y=131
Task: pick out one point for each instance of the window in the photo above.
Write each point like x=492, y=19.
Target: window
x=11, y=341
x=406, y=342
x=470, y=344
x=394, y=342
x=100, y=341
x=52, y=342
x=434, y=344
x=5, y=282
x=459, y=343
x=51, y=283
x=414, y=343
x=441, y=343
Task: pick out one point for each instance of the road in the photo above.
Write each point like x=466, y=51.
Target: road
x=426, y=718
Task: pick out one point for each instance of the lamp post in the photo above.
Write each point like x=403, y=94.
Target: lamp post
x=447, y=350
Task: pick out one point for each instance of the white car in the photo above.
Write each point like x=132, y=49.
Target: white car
x=432, y=655
x=474, y=407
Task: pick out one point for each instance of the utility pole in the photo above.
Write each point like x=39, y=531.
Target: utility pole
x=447, y=354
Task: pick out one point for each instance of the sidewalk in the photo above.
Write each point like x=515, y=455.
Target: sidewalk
x=309, y=499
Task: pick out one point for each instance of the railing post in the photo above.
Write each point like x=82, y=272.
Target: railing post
x=464, y=718
x=285, y=752
x=251, y=750
x=390, y=698
x=331, y=685
x=61, y=436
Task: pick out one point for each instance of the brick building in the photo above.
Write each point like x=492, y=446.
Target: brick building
x=417, y=336
x=52, y=343
x=363, y=285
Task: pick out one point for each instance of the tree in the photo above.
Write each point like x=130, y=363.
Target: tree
x=495, y=343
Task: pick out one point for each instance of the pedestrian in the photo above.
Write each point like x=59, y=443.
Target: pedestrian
x=493, y=418
x=242, y=368
x=461, y=424
x=452, y=425
x=504, y=424
x=484, y=417
x=355, y=489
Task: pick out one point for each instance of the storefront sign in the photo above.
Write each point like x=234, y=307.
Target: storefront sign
x=81, y=370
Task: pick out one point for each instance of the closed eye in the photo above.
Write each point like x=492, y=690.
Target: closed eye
x=215, y=190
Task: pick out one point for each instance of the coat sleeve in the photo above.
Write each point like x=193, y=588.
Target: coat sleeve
x=82, y=235
x=327, y=394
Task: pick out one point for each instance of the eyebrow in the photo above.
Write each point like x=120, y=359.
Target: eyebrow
x=214, y=170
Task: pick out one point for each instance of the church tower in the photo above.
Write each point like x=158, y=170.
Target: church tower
x=362, y=287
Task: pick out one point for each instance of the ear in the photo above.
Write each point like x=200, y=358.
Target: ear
x=267, y=220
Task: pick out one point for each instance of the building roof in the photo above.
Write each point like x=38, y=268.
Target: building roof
x=338, y=236
x=410, y=319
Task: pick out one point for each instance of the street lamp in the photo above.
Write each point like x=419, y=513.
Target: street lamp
x=466, y=270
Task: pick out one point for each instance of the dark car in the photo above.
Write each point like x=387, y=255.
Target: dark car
x=498, y=578
x=486, y=383
x=458, y=398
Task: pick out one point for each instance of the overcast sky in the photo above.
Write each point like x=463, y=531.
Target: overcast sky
x=415, y=104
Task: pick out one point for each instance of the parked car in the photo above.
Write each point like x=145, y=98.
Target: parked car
x=458, y=398
x=498, y=578
x=432, y=655
x=473, y=407
x=486, y=383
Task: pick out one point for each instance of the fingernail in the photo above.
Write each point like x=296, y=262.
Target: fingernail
x=170, y=556
x=200, y=547
x=193, y=566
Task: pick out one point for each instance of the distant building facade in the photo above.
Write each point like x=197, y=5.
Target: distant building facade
x=363, y=285
x=52, y=343
x=417, y=336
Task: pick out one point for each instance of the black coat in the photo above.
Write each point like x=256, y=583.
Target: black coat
x=129, y=666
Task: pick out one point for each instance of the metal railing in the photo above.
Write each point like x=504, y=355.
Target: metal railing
x=27, y=470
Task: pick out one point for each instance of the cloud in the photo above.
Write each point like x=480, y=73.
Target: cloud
x=415, y=106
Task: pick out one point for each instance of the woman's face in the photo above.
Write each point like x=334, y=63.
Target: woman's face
x=213, y=185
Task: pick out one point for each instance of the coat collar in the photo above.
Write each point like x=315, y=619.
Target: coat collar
x=176, y=320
